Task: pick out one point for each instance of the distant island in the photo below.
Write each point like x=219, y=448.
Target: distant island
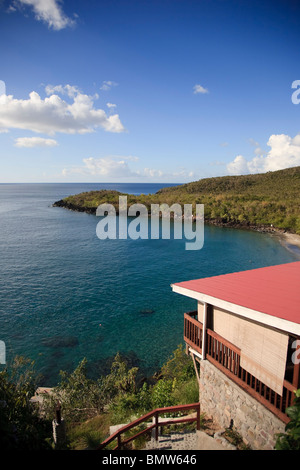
x=267, y=202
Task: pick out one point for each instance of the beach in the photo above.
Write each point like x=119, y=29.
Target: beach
x=290, y=240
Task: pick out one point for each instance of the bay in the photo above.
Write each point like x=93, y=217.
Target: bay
x=65, y=295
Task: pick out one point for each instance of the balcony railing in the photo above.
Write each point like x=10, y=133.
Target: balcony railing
x=193, y=331
x=226, y=357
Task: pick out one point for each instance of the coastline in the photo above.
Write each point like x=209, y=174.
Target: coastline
x=291, y=241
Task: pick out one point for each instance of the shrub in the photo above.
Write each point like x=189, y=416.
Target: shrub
x=290, y=440
x=21, y=428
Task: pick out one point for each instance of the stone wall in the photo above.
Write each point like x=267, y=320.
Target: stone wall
x=227, y=404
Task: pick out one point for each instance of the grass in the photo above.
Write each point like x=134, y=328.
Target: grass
x=89, y=434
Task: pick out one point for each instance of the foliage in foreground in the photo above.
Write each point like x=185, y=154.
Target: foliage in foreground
x=290, y=440
x=120, y=398
x=88, y=406
x=20, y=425
x=119, y=392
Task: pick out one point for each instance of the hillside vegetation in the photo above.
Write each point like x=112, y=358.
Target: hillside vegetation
x=258, y=201
x=89, y=406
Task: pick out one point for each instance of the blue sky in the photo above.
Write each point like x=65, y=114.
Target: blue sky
x=147, y=91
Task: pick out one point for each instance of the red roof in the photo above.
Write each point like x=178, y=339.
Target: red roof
x=272, y=290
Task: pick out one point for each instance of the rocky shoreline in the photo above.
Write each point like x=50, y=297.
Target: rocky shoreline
x=74, y=207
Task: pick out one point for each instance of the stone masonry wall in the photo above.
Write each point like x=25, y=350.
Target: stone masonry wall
x=223, y=401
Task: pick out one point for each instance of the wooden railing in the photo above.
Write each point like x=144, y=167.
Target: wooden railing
x=155, y=413
x=226, y=357
x=193, y=331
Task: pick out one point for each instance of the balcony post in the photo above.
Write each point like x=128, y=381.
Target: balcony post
x=156, y=426
x=296, y=365
x=198, y=418
x=204, y=330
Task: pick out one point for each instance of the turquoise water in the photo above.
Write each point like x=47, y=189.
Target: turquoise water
x=65, y=295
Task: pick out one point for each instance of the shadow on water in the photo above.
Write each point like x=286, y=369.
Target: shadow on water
x=60, y=342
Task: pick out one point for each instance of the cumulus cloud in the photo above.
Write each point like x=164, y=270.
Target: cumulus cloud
x=48, y=11
x=199, y=89
x=54, y=114
x=69, y=90
x=284, y=153
x=112, y=167
x=238, y=166
x=30, y=142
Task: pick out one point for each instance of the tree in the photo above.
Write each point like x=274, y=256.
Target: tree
x=21, y=427
x=80, y=398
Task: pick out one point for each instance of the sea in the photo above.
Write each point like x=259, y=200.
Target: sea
x=66, y=295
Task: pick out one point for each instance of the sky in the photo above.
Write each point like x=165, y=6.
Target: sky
x=147, y=90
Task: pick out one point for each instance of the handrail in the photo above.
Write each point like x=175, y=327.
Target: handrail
x=154, y=413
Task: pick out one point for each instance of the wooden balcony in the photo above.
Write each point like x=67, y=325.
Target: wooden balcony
x=193, y=331
x=226, y=357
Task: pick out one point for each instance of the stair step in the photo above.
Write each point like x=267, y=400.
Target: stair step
x=198, y=440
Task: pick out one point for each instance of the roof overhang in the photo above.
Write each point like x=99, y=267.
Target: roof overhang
x=254, y=315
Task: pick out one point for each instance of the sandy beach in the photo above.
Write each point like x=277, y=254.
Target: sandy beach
x=290, y=240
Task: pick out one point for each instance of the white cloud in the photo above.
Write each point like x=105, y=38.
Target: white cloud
x=118, y=167
x=284, y=153
x=111, y=167
x=200, y=89
x=238, y=166
x=69, y=90
x=107, y=85
x=30, y=142
x=48, y=11
x=53, y=114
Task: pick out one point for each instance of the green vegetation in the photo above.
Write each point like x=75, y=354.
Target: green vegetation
x=88, y=406
x=21, y=427
x=232, y=436
x=261, y=200
x=290, y=440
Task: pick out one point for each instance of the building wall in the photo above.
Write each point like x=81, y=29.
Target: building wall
x=263, y=349
x=223, y=400
x=200, y=309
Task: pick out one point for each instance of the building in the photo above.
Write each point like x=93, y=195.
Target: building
x=243, y=337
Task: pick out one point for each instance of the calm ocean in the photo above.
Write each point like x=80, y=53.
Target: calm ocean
x=65, y=295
